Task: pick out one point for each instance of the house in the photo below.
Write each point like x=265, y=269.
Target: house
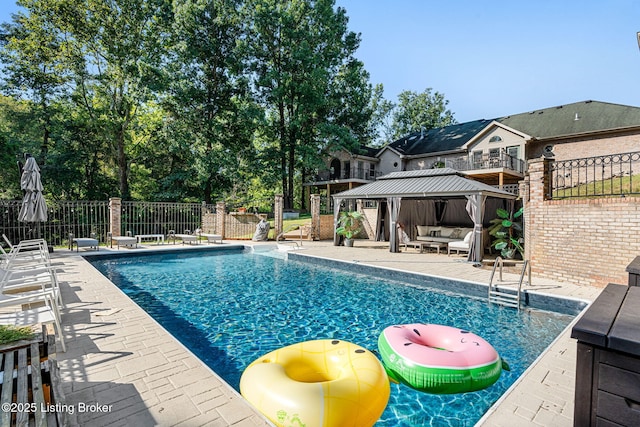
x=494, y=151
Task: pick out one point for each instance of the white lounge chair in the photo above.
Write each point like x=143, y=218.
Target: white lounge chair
x=47, y=313
x=187, y=236
x=460, y=245
x=25, y=253
x=84, y=242
x=212, y=238
x=24, y=284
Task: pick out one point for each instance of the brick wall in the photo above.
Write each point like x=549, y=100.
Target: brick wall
x=591, y=146
x=326, y=227
x=583, y=241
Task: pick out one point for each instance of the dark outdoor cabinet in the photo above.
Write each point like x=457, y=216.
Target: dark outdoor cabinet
x=608, y=363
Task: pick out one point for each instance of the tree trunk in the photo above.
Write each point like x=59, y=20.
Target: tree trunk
x=291, y=173
x=123, y=167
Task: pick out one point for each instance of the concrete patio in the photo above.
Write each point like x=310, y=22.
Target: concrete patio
x=118, y=357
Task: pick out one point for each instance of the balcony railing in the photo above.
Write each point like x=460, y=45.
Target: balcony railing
x=486, y=161
x=353, y=173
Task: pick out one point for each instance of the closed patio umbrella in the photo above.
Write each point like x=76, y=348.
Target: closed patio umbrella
x=34, y=207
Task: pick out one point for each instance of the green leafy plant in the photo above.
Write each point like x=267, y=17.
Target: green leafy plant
x=11, y=333
x=507, y=230
x=349, y=224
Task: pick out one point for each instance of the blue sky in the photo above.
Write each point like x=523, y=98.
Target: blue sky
x=495, y=58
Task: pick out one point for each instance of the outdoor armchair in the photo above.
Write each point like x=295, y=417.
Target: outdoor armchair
x=460, y=245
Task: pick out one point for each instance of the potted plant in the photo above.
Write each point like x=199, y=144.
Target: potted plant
x=507, y=230
x=349, y=225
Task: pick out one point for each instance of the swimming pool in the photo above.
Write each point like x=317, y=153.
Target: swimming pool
x=229, y=307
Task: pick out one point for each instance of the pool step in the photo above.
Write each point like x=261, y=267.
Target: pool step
x=504, y=298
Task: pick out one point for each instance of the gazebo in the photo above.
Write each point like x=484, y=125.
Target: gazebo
x=440, y=184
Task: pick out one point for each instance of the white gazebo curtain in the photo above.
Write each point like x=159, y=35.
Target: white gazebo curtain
x=475, y=209
x=394, y=210
x=336, y=211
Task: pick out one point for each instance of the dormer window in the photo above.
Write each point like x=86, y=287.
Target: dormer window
x=495, y=138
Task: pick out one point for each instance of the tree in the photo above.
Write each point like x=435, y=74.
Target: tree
x=209, y=92
x=298, y=48
x=33, y=68
x=420, y=111
x=114, y=49
x=380, y=124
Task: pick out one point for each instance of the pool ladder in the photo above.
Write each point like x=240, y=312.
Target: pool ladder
x=502, y=297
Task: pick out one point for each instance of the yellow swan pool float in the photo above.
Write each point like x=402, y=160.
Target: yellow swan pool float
x=318, y=383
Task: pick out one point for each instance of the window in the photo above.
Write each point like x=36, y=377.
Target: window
x=495, y=138
x=372, y=171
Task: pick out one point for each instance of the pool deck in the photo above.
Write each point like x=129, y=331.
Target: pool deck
x=119, y=357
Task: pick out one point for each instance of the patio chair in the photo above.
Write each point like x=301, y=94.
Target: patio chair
x=460, y=245
x=25, y=253
x=30, y=316
x=189, y=237
x=31, y=279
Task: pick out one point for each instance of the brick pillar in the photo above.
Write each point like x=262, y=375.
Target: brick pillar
x=277, y=213
x=115, y=214
x=536, y=187
x=315, y=216
x=221, y=212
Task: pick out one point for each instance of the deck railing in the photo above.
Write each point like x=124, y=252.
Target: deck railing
x=600, y=176
x=353, y=173
x=486, y=161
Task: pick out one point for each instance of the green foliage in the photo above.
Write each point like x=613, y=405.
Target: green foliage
x=507, y=231
x=314, y=91
x=349, y=224
x=418, y=111
x=182, y=101
x=10, y=333
x=380, y=125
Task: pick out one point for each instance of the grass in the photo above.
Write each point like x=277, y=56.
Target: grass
x=11, y=333
x=605, y=188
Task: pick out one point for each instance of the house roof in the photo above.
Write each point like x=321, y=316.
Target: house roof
x=574, y=119
x=448, y=138
x=363, y=150
x=547, y=123
x=443, y=182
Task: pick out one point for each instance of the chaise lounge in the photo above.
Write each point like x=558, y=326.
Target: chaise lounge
x=124, y=241
x=83, y=242
x=212, y=238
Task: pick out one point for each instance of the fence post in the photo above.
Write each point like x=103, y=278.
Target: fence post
x=277, y=213
x=115, y=215
x=533, y=199
x=315, y=216
x=221, y=211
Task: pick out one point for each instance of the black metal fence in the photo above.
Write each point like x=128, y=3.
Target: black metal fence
x=162, y=217
x=601, y=176
x=78, y=217
x=82, y=218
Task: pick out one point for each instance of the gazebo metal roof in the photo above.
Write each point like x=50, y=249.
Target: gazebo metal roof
x=436, y=183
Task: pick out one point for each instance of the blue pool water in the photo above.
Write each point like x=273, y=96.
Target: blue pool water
x=230, y=307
